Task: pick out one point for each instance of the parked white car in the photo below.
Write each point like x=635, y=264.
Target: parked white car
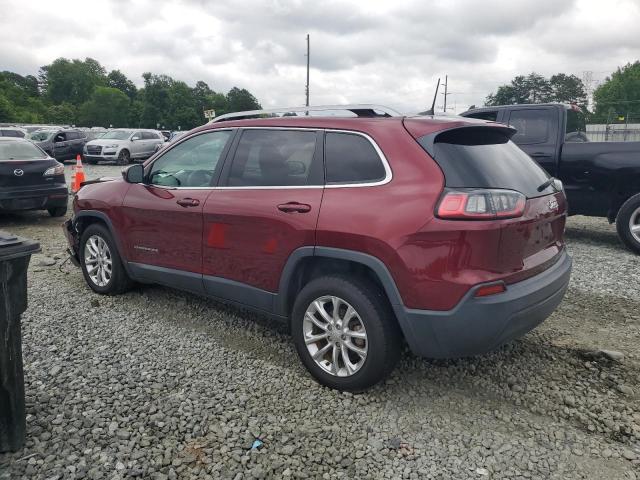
x=123, y=145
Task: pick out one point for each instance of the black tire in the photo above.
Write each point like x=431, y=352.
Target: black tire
x=57, y=211
x=628, y=215
x=383, y=337
x=119, y=282
x=124, y=157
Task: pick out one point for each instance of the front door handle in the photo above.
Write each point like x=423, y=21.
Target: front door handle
x=541, y=155
x=188, y=202
x=294, y=207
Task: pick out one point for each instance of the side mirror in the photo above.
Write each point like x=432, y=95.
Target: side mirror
x=133, y=174
x=134, y=138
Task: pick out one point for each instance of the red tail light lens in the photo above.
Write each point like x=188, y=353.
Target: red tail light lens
x=481, y=204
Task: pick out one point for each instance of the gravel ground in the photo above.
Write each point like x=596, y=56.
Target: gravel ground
x=161, y=384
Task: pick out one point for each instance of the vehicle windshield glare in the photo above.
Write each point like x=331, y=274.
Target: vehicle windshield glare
x=20, y=151
x=117, y=135
x=41, y=135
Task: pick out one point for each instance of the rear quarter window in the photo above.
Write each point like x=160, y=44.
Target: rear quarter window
x=351, y=158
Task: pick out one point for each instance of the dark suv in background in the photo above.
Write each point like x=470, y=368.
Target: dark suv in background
x=360, y=232
x=62, y=144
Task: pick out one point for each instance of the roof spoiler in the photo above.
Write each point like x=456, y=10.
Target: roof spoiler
x=478, y=131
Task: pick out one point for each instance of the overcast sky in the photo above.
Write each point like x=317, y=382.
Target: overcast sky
x=388, y=52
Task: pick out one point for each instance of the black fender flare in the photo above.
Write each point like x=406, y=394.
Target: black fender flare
x=107, y=221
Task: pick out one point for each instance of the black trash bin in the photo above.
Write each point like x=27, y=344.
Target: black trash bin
x=15, y=253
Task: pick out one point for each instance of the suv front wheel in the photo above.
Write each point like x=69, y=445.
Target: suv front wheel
x=101, y=264
x=344, y=332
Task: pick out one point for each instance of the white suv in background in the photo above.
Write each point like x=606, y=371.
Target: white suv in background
x=123, y=145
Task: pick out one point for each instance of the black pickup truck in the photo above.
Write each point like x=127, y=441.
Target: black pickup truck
x=601, y=179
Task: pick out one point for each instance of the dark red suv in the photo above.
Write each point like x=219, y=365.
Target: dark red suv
x=360, y=232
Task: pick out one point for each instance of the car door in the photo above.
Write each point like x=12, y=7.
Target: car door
x=149, y=140
x=137, y=145
x=163, y=237
x=537, y=135
x=61, y=146
x=75, y=144
x=266, y=207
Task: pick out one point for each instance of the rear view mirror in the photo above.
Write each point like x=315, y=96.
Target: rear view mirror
x=134, y=174
x=134, y=138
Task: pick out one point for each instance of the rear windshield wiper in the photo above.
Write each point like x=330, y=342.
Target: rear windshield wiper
x=549, y=182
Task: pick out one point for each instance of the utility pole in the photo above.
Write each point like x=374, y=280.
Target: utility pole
x=307, y=88
x=446, y=84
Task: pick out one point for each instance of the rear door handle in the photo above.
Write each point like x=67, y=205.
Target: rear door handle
x=188, y=202
x=294, y=207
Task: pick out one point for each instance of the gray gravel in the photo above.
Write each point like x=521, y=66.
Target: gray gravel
x=161, y=384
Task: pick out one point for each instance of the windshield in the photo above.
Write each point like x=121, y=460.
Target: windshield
x=41, y=135
x=20, y=151
x=117, y=135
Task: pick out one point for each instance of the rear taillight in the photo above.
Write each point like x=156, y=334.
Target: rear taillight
x=480, y=204
x=57, y=170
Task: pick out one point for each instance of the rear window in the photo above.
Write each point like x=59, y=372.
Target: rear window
x=484, y=157
x=20, y=151
x=351, y=158
x=11, y=133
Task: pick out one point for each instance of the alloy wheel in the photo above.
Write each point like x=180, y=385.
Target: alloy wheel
x=634, y=224
x=335, y=336
x=98, y=260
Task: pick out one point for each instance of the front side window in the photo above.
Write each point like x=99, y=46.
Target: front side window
x=191, y=163
x=149, y=136
x=351, y=158
x=275, y=158
x=532, y=125
x=41, y=135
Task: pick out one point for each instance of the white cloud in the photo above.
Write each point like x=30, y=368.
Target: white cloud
x=374, y=51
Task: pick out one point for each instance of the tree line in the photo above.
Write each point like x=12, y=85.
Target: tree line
x=616, y=99
x=81, y=92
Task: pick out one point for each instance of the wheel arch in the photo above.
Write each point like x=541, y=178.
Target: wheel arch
x=84, y=218
x=307, y=263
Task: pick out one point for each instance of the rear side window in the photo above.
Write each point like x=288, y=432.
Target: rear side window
x=351, y=158
x=275, y=158
x=576, y=129
x=532, y=125
x=11, y=133
x=484, y=157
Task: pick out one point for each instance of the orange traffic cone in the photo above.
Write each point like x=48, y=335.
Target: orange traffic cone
x=77, y=177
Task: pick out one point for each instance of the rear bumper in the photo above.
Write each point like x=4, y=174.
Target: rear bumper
x=34, y=198
x=478, y=325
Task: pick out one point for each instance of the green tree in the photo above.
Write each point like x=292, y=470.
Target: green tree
x=533, y=88
x=117, y=79
x=568, y=89
x=106, y=107
x=71, y=81
x=64, y=113
x=239, y=100
x=7, y=110
x=619, y=94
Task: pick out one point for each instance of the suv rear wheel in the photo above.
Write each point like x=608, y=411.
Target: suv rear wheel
x=628, y=223
x=101, y=264
x=345, y=333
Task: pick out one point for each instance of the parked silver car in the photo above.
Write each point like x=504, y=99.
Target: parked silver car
x=123, y=145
